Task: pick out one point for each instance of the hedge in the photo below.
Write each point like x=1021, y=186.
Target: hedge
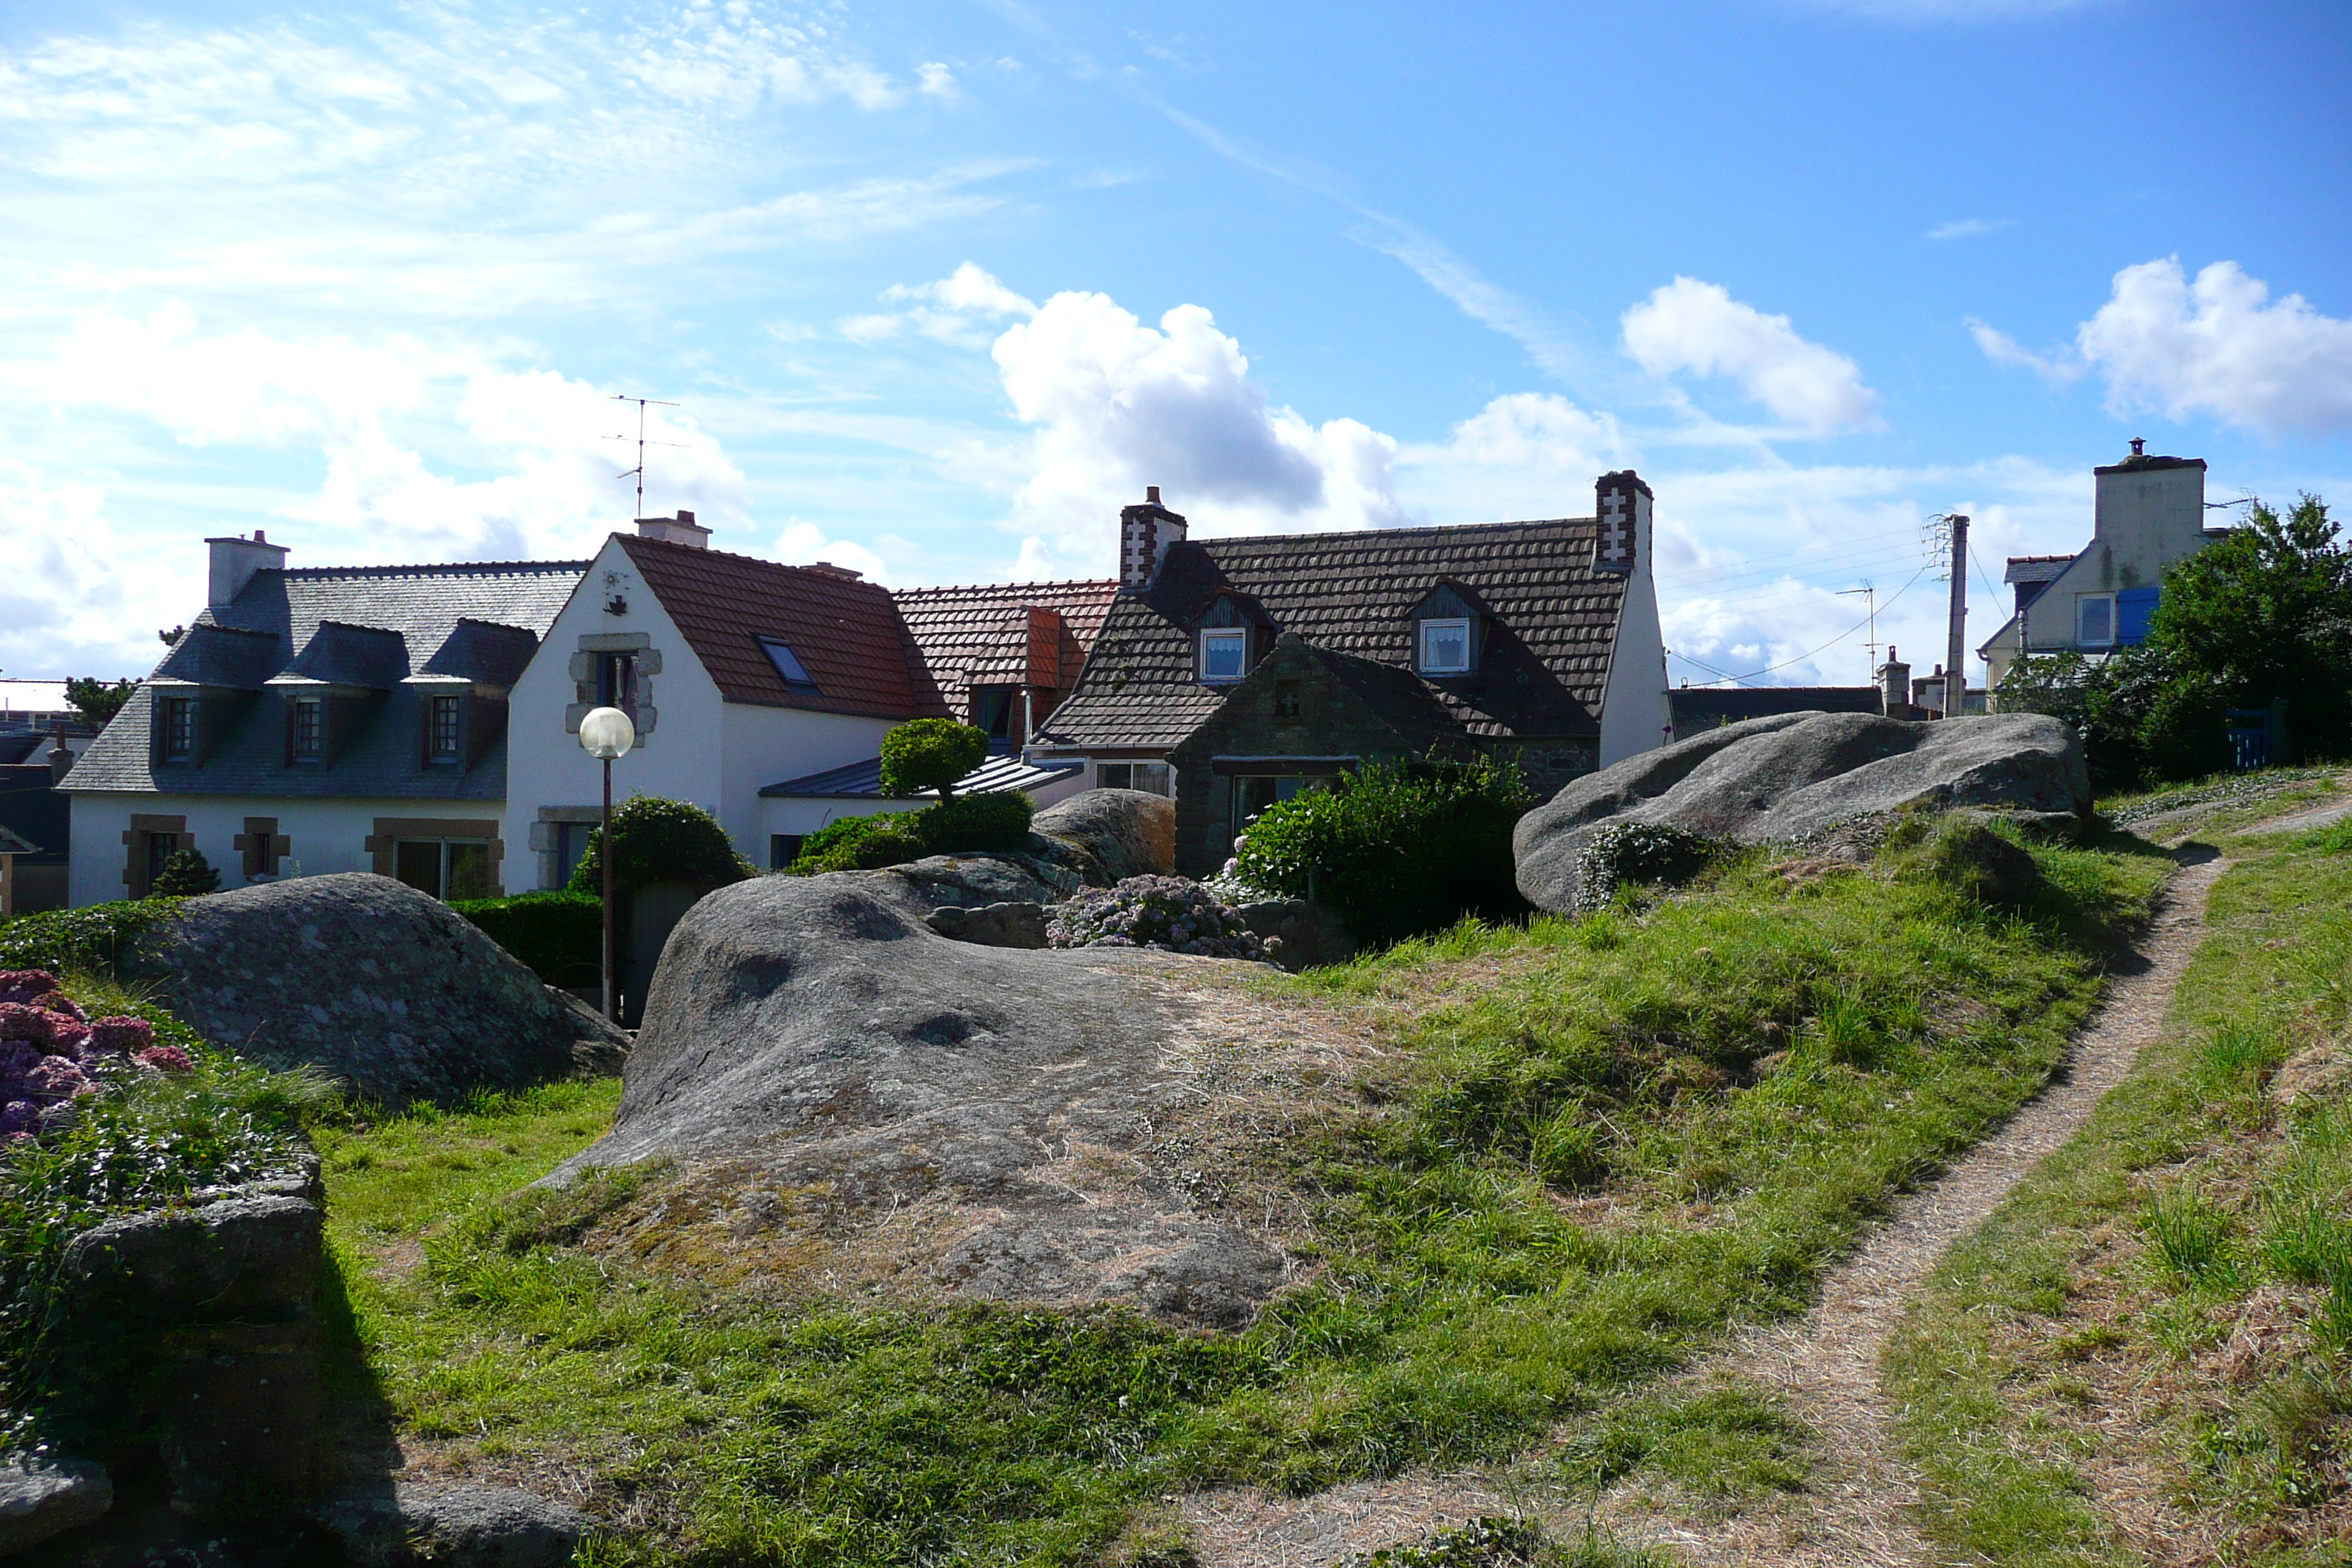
x=559, y=935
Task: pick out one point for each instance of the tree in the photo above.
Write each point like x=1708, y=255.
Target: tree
x=930, y=753
x=184, y=874
x=2262, y=615
x=658, y=840
x=99, y=701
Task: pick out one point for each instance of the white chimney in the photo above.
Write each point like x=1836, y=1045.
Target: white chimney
x=1145, y=534
x=680, y=530
x=234, y=560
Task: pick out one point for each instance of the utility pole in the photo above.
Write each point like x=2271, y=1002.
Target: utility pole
x=1956, y=642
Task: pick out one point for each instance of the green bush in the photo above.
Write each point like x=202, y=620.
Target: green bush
x=658, y=840
x=962, y=826
x=1398, y=848
x=972, y=822
x=559, y=935
x=90, y=938
x=186, y=874
x=930, y=753
x=1637, y=852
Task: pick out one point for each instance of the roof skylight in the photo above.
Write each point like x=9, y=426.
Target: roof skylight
x=788, y=664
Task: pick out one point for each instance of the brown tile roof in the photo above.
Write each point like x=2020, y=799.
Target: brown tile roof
x=982, y=634
x=847, y=634
x=1543, y=673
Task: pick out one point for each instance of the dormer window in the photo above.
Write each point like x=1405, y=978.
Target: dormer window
x=788, y=664
x=1445, y=647
x=309, y=737
x=447, y=741
x=1224, y=653
x=179, y=729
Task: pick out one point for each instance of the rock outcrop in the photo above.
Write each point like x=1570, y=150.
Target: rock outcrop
x=370, y=980
x=1130, y=833
x=42, y=1497
x=452, y=1526
x=1794, y=776
x=992, y=925
x=812, y=1049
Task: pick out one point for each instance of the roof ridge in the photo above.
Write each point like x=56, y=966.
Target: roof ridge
x=1418, y=527
x=704, y=553
x=1009, y=587
x=427, y=566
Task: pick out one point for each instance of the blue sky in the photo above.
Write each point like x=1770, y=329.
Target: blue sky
x=939, y=286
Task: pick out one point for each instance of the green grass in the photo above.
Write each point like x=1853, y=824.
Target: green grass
x=2117, y=1274
x=1742, y=1075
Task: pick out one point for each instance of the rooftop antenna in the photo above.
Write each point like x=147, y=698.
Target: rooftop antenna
x=1869, y=590
x=641, y=443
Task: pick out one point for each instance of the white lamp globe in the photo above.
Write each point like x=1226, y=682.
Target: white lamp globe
x=606, y=734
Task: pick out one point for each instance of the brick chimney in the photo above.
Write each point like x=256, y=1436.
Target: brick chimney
x=234, y=560
x=1145, y=532
x=1622, y=503
x=680, y=530
x=1895, y=686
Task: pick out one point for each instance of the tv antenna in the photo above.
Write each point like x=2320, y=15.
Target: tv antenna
x=1869, y=590
x=639, y=470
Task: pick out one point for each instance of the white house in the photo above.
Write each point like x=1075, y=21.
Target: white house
x=2149, y=512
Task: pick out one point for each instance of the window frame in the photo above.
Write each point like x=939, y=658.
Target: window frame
x=179, y=729
x=1159, y=773
x=617, y=681
x=309, y=713
x=2082, y=602
x=443, y=865
x=438, y=707
x=1237, y=638
x=1423, y=665
x=1289, y=700
x=786, y=664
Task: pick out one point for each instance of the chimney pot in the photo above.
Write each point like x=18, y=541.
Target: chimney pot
x=680, y=530
x=2140, y=447
x=1152, y=495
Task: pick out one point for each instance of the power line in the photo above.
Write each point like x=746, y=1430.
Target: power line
x=1825, y=647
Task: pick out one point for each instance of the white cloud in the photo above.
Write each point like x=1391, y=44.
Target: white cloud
x=81, y=598
x=802, y=543
x=934, y=80
x=1968, y=228
x=2059, y=369
x=1524, y=455
x=962, y=309
x=2221, y=346
x=1690, y=326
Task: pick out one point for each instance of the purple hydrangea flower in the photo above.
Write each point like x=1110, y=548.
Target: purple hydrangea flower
x=122, y=1035
x=25, y=985
x=54, y=1078
x=165, y=1058
x=18, y=1117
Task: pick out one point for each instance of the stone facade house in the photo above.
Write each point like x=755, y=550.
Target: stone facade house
x=1232, y=673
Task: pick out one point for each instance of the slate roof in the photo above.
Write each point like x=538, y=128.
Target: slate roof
x=1696, y=708
x=372, y=626
x=1544, y=672
x=980, y=635
x=1005, y=771
x=846, y=634
x=2036, y=568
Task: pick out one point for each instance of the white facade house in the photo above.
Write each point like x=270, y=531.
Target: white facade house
x=2149, y=513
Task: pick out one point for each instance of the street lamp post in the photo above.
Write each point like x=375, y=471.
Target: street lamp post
x=606, y=734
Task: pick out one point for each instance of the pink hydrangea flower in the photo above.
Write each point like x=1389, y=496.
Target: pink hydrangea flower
x=124, y=1034
x=165, y=1058
x=58, y=1002
x=54, y=1078
x=22, y=1021
x=23, y=985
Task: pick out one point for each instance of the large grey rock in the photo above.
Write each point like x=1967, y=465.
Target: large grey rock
x=992, y=925
x=367, y=978
x=1311, y=934
x=1793, y=776
x=243, y=1255
x=454, y=1526
x=809, y=1040
x=1131, y=833
x=42, y=1497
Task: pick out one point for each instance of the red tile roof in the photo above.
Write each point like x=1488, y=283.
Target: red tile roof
x=1004, y=634
x=847, y=634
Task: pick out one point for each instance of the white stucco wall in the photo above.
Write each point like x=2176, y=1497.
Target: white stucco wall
x=2143, y=520
x=326, y=835
x=1636, y=713
x=768, y=746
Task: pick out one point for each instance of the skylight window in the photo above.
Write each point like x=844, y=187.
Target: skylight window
x=788, y=664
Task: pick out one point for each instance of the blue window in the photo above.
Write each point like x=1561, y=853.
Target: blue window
x=2133, y=608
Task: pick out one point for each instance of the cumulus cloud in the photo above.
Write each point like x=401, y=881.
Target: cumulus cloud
x=804, y=542
x=1117, y=405
x=81, y=599
x=963, y=309
x=2059, y=368
x=1698, y=328
x=2220, y=345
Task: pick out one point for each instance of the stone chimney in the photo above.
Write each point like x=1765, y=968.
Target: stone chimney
x=680, y=530
x=1894, y=686
x=61, y=758
x=1145, y=534
x=1622, y=503
x=234, y=560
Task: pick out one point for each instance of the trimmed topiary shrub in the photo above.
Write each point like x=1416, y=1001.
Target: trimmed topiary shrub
x=930, y=753
x=185, y=875
x=1399, y=850
x=1168, y=913
x=658, y=840
x=559, y=935
x=966, y=825
x=971, y=822
x=1628, y=852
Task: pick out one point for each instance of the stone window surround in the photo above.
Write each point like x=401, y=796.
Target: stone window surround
x=582, y=670
x=548, y=845
x=383, y=843
x=262, y=846
x=143, y=825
